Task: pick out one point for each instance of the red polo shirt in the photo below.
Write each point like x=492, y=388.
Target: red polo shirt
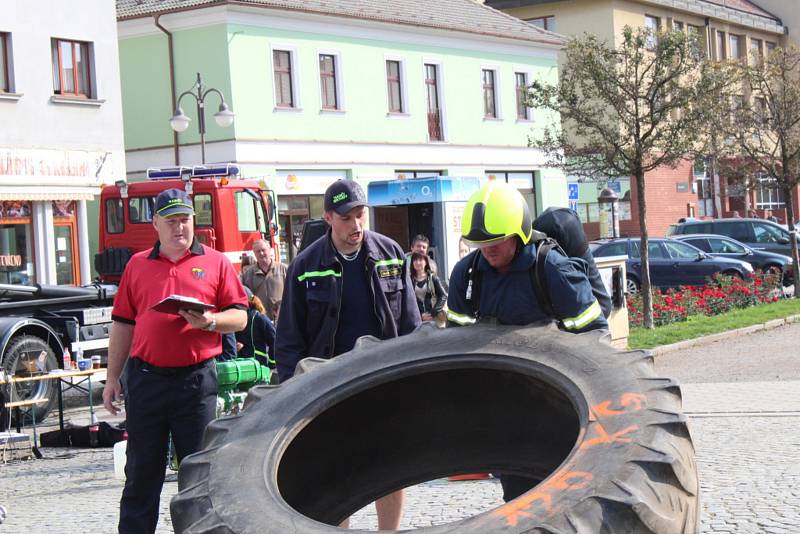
x=167, y=340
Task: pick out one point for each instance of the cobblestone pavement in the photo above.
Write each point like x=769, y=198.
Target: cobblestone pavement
x=747, y=437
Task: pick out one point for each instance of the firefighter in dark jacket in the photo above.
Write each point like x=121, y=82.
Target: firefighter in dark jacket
x=497, y=221
x=348, y=284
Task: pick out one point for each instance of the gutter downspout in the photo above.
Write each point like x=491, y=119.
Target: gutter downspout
x=171, y=54
x=713, y=159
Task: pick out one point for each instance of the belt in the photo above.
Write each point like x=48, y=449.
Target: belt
x=169, y=371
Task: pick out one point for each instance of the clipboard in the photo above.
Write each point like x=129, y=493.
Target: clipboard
x=173, y=303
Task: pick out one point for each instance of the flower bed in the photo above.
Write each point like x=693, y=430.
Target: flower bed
x=722, y=294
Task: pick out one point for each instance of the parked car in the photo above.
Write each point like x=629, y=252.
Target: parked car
x=757, y=234
x=726, y=247
x=672, y=263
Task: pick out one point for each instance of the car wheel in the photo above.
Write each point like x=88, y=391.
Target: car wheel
x=631, y=285
x=737, y=274
x=603, y=433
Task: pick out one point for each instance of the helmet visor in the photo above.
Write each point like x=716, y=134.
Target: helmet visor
x=488, y=242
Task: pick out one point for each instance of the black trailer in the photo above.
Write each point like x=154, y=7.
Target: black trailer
x=38, y=322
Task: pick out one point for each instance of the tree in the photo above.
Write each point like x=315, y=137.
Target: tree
x=765, y=132
x=627, y=110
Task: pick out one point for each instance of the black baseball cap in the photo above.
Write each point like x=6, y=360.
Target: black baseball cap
x=173, y=202
x=344, y=195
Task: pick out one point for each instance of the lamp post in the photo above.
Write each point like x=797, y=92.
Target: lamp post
x=179, y=121
x=609, y=219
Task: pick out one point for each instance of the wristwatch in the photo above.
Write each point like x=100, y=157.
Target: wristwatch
x=212, y=326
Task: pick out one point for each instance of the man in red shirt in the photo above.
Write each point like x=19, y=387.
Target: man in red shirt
x=171, y=384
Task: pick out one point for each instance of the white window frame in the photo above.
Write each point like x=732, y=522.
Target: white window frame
x=498, y=90
x=436, y=62
x=339, y=79
x=404, y=101
x=294, y=65
x=528, y=77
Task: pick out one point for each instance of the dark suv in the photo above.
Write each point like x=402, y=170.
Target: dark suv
x=757, y=234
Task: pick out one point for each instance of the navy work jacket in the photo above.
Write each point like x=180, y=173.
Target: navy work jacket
x=511, y=297
x=312, y=297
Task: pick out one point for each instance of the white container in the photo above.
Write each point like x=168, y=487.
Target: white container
x=120, y=455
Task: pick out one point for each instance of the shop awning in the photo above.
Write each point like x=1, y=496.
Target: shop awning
x=48, y=193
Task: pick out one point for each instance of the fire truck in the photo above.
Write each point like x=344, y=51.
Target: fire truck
x=38, y=322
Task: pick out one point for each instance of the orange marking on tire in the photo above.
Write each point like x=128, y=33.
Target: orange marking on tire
x=520, y=507
x=604, y=437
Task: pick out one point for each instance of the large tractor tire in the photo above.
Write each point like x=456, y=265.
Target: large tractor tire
x=30, y=356
x=605, y=436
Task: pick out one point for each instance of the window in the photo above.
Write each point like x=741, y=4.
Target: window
x=770, y=47
x=284, y=90
x=720, y=46
x=432, y=95
x=700, y=243
x=16, y=235
x=115, y=222
x=738, y=230
x=327, y=81
x=545, y=23
x=394, y=86
x=71, y=72
x=695, y=34
x=489, y=101
x=248, y=211
x=736, y=43
x=619, y=248
x=761, y=111
x=402, y=174
x=756, y=50
x=701, y=228
x=767, y=233
x=653, y=26
x=679, y=250
x=5, y=60
x=677, y=25
x=523, y=111
x=768, y=195
x=203, y=212
x=725, y=246
x=140, y=209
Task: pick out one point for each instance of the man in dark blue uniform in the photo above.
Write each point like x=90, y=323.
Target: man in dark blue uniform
x=498, y=280
x=348, y=284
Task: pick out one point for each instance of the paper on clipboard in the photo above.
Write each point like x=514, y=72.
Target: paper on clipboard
x=173, y=303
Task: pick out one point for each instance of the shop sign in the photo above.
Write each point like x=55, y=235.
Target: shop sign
x=55, y=165
x=306, y=182
x=10, y=260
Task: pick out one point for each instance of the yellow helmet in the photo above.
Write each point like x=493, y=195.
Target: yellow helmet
x=494, y=213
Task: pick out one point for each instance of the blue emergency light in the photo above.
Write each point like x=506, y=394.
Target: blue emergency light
x=167, y=173
x=224, y=169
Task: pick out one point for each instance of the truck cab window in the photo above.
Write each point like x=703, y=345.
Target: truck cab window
x=115, y=223
x=249, y=212
x=140, y=209
x=203, y=214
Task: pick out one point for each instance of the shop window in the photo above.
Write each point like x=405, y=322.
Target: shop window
x=140, y=209
x=16, y=243
x=203, y=211
x=71, y=68
x=115, y=222
x=64, y=208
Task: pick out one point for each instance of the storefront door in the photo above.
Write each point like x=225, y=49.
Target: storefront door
x=66, y=245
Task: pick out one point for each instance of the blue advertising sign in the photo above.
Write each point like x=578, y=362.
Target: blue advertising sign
x=572, y=189
x=421, y=190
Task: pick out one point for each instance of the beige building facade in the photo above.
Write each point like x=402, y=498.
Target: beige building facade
x=730, y=29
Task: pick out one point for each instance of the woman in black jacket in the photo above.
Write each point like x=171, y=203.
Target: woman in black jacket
x=431, y=296
x=257, y=339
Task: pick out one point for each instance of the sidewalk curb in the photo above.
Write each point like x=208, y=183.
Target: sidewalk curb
x=706, y=340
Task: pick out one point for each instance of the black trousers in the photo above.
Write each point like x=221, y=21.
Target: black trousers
x=159, y=402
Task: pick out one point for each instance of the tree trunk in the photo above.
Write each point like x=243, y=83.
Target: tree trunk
x=647, y=296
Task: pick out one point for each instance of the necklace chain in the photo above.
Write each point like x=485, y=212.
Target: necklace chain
x=352, y=256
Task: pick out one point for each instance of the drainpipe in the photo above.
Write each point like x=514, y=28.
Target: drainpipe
x=713, y=159
x=171, y=54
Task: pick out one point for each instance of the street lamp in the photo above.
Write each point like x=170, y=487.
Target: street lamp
x=179, y=121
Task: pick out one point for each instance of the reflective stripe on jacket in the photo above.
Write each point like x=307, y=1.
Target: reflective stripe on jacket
x=312, y=295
